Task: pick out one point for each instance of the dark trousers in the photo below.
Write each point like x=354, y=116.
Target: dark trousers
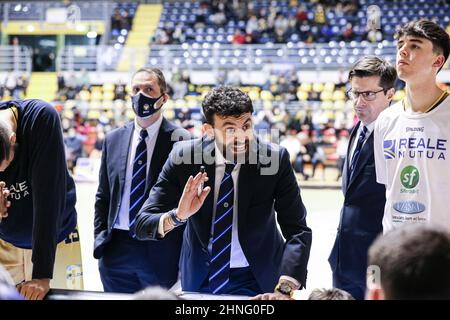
x=357, y=290
x=127, y=265
x=242, y=282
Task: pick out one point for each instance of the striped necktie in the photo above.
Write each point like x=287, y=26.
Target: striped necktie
x=221, y=245
x=356, y=153
x=137, y=191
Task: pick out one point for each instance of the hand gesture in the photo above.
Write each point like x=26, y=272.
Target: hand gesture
x=190, y=201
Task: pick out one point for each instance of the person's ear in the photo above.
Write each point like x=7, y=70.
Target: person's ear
x=12, y=138
x=440, y=60
x=208, y=130
x=390, y=93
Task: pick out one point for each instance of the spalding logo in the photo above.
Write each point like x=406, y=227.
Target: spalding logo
x=409, y=207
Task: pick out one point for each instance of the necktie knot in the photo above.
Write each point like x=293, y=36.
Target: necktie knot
x=364, y=131
x=143, y=134
x=229, y=167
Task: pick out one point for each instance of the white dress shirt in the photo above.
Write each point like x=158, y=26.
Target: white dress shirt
x=237, y=257
x=123, y=218
x=370, y=128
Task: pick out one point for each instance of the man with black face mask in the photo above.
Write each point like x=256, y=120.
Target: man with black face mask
x=132, y=159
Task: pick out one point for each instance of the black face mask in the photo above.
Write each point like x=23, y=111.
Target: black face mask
x=143, y=106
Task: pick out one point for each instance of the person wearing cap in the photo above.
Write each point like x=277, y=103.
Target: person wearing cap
x=132, y=158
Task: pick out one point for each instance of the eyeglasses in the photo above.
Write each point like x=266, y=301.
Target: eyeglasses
x=367, y=95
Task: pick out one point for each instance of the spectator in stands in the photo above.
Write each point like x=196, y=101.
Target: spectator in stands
x=330, y=294
x=319, y=15
x=119, y=90
x=292, y=145
x=61, y=81
x=374, y=35
x=341, y=152
x=410, y=263
x=116, y=20
x=302, y=14
x=347, y=33
x=238, y=37
x=73, y=146
x=302, y=156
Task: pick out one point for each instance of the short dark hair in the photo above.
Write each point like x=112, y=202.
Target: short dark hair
x=369, y=66
x=428, y=30
x=225, y=101
x=414, y=262
x=5, y=143
x=330, y=294
x=159, y=76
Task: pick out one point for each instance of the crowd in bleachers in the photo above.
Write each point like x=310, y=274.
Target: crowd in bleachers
x=122, y=21
x=281, y=21
x=14, y=85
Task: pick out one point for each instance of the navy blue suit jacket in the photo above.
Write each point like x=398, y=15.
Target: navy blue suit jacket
x=110, y=189
x=361, y=215
x=259, y=196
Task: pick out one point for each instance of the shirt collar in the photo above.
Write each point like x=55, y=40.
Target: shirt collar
x=220, y=159
x=369, y=127
x=152, y=130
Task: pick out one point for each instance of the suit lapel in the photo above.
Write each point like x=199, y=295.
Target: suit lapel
x=125, y=143
x=346, y=171
x=203, y=219
x=366, y=152
x=159, y=156
x=247, y=177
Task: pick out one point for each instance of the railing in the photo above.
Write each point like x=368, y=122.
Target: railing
x=333, y=55
x=15, y=58
x=214, y=57
x=90, y=58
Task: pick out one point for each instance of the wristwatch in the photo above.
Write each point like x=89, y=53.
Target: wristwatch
x=285, y=289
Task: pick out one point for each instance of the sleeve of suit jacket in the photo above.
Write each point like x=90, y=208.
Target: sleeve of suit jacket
x=164, y=196
x=291, y=215
x=102, y=197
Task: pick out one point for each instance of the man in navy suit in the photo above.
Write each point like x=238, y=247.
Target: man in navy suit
x=132, y=159
x=372, y=89
x=231, y=244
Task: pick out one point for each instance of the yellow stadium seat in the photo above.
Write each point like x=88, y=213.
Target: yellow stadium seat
x=108, y=95
x=326, y=96
x=85, y=95
x=326, y=105
x=329, y=86
x=253, y=94
x=267, y=105
x=339, y=104
x=266, y=95
x=317, y=87
x=93, y=114
x=130, y=114
x=96, y=95
x=302, y=95
x=108, y=87
x=338, y=95
x=306, y=87
x=180, y=103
